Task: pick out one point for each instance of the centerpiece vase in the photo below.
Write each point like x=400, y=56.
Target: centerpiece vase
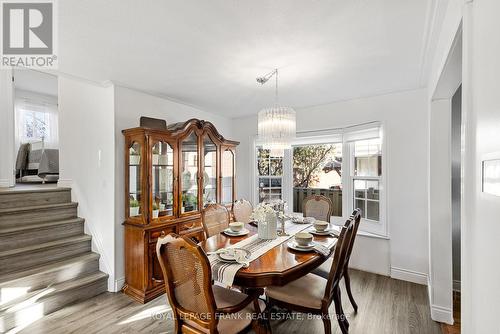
x=268, y=229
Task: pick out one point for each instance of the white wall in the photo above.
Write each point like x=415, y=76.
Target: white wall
x=130, y=105
x=480, y=223
x=405, y=118
x=86, y=161
x=481, y=123
x=7, y=152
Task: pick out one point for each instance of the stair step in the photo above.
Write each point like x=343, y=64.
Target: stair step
x=12, y=217
x=34, y=197
x=37, y=254
x=25, y=235
x=50, y=299
x=22, y=282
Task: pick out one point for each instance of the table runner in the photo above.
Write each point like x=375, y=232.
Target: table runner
x=224, y=272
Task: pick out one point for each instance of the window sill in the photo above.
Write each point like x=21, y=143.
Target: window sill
x=366, y=234
x=338, y=221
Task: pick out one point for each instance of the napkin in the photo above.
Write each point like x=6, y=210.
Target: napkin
x=242, y=259
x=240, y=256
x=323, y=250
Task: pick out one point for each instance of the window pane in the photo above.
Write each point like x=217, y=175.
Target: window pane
x=360, y=204
x=368, y=157
x=263, y=167
x=264, y=182
x=373, y=210
x=359, y=188
x=276, y=167
x=372, y=191
x=276, y=183
x=317, y=169
x=262, y=153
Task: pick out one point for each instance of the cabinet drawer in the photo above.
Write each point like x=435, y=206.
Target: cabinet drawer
x=186, y=227
x=154, y=234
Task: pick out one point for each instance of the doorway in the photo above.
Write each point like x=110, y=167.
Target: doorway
x=445, y=170
x=36, y=128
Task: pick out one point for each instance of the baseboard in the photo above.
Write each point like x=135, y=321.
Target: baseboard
x=409, y=275
x=119, y=284
x=439, y=313
x=370, y=270
x=457, y=285
x=442, y=314
x=65, y=183
x=5, y=183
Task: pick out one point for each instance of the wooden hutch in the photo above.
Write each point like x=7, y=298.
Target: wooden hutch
x=170, y=176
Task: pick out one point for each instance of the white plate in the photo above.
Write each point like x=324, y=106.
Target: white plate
x=243, y=231
x=325, y=232
x=293, y=245
x=231, y=256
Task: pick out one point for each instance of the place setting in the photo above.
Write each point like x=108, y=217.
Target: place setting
x=323, y=228
x=236, y=229
x=303, y=242
x=233, y=255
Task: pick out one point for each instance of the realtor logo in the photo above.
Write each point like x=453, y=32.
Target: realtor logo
x=28, y=34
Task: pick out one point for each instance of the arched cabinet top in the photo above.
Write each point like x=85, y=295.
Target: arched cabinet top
x=176, y=130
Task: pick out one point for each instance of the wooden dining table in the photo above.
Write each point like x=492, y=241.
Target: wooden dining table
x=278, y=266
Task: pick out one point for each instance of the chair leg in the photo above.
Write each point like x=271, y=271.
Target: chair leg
x=347, y=281
x=341, y=318
x=327, y=323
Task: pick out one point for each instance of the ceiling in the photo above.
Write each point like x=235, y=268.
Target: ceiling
x=36, y=82
x=208, y=53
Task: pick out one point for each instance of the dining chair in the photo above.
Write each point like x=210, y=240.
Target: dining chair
x=198, y=305
x=314, y=294
x=317, y=206
x=215, y=219
x=242, y=211
x=323, y=270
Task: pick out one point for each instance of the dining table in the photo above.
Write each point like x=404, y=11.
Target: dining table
x=278, y=266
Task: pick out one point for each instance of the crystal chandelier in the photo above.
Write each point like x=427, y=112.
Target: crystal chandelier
x=277, y=124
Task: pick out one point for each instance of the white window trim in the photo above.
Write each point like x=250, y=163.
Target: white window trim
x=367, y=227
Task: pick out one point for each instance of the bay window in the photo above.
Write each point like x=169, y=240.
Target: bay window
x=345, y=165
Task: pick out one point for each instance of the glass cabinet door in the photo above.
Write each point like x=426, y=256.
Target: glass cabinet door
x=209, y=171
x=189, y=174
x=162, y=180
x=227, y=175
x=134, y=180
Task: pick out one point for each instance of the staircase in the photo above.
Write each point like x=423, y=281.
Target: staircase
x=46, y=260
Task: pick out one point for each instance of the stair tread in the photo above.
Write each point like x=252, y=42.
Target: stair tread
x=37, y=207
x=8, y=230
x=49, y=291
x=9, y=191
x=48, y=267
x=50, y=244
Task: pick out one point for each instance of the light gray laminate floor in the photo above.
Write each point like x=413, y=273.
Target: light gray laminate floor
x=385, y=306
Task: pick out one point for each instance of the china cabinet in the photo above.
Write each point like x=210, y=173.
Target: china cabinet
x=170, y=175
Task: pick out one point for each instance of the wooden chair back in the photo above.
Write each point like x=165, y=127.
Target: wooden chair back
x=339, y=258
x=215, y=218
x=356, y=218
x=317, y=206
x=242, y=211
x=188, y=281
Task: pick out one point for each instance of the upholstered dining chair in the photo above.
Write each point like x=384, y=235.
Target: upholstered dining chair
x=197, y=304
x=242, y=211
x=323, y=270
x=317, y=206
x=314, y=294
x=215, y=219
